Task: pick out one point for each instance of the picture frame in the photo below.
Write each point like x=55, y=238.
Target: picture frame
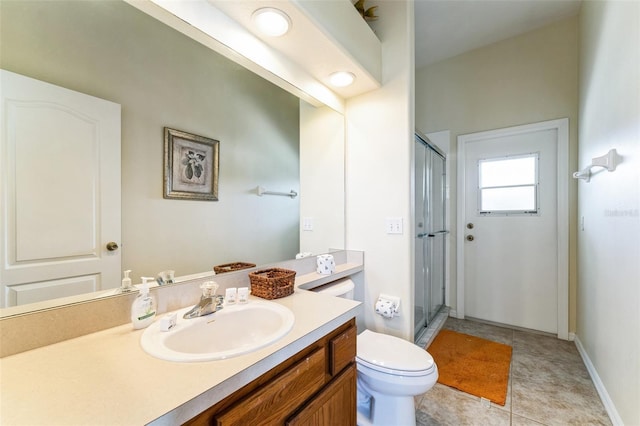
x=191, y=166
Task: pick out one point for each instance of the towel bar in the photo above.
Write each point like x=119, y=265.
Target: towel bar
x=261, y=191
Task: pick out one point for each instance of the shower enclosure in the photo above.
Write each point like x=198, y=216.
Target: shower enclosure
x=430, y=238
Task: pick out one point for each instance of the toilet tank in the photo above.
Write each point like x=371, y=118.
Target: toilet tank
x=340, y=288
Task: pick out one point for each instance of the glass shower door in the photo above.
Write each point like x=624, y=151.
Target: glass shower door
x=420, y=273
x=430, y=222
x=437, y=236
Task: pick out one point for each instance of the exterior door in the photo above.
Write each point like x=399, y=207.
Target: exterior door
x=513, y=258
x=60, y=191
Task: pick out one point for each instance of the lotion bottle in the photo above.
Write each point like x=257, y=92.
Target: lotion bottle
x=143, y=310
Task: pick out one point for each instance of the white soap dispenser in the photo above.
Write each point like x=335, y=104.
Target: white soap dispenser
x=126, y=283
x=143, y=310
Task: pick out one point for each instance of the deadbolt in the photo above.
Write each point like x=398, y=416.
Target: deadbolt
x=470, y=238
x=112, y=246
x=469, y=225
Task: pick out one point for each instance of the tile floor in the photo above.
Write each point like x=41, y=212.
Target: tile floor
x=548, y=385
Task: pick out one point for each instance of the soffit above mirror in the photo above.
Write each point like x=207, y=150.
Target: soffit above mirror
x=324, y=37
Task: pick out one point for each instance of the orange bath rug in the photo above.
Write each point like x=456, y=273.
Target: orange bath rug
x=473, y=365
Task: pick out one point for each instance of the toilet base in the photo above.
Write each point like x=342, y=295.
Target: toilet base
x=384, y=409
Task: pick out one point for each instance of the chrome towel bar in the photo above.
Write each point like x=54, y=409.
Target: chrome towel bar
x=261, y=191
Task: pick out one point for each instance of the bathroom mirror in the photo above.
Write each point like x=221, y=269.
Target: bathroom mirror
x=161, y=78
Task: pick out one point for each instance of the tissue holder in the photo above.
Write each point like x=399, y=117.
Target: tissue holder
x=326, y=265
x=387, y=306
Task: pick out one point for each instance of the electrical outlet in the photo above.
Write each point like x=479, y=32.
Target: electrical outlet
x=307, y=224
x=393, y=225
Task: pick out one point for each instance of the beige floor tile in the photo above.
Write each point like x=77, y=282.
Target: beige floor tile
x=478, y=329
x=445, y=406
x=557, y=402
x=544, y=346
x=528, y=366
x=523, y=421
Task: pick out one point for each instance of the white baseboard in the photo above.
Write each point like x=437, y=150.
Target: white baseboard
x=602, y=391
x=572, y=337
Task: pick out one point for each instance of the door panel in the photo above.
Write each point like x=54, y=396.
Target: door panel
x=60, y=172
x=52, y=289
x=511, y=262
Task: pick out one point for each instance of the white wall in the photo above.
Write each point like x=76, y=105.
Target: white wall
x=608, y=306
x=163, y=78
x=379, y=160
x=322, y=149
x=525, y=79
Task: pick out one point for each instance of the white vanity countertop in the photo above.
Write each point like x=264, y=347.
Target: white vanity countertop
x=105, y=378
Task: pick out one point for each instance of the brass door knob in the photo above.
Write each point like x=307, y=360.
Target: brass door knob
x=469, y=238
x=112, y=246
x=469, y=225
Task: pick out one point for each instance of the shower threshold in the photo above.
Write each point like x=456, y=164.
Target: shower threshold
x=427, y=334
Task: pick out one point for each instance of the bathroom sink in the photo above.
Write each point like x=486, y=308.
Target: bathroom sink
x=234, y=330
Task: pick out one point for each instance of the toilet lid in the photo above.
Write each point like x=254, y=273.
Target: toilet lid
x=392, y=355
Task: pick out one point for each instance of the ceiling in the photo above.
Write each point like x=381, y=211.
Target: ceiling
x=447, y=28
x=328, y=36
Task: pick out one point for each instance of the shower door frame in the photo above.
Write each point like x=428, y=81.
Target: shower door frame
x=428, y=235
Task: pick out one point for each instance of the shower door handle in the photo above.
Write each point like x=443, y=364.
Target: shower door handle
x=434, y=234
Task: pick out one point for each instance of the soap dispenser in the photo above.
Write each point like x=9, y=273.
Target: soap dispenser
x=143, y=310
x=126, y=283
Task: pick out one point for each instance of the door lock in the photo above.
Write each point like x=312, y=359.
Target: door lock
x=469, y=238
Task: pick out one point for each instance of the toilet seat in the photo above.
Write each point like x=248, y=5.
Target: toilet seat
x=392, y=355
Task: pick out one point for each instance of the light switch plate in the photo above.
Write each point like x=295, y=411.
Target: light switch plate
x=393, y=225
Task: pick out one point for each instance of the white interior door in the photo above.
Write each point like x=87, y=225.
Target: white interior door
x=60, y=191
x=512, y=227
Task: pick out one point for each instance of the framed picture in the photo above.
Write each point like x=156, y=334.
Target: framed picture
x=190, y=166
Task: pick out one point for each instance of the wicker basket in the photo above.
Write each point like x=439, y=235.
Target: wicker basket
x=230, y=267
x=272, y=283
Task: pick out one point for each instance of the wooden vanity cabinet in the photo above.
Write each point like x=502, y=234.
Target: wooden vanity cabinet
x=316, y=386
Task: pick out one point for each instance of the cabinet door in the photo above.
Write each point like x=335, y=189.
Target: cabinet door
x=335, y=405
x=342, y=350
x=274, y=402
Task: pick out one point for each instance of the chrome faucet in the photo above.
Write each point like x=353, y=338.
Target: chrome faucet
x=209, y=302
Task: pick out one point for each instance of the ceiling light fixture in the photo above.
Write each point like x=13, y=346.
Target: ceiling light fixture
x=341, y=78
x=271, y=22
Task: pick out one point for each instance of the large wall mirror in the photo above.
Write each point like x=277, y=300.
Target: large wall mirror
x=162, y=78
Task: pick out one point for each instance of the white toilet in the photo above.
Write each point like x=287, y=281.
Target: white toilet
x=391, y=371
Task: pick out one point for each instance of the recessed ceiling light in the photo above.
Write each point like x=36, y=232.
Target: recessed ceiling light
x=272, y=22
x=341, y=78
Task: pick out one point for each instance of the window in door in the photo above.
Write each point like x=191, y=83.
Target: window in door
x=508, y=185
